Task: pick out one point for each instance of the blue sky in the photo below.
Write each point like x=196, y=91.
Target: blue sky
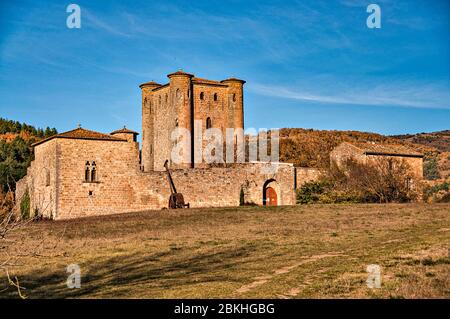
x=310, y=64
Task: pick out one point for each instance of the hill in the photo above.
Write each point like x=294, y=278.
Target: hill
x=439, y=140
x=15, y=150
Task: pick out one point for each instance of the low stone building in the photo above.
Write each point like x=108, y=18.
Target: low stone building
x=367, y=152
x=85, y=173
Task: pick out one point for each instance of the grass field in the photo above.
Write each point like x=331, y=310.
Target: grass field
x=319, y=251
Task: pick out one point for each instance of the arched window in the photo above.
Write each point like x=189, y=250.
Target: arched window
x=93, y=172
x=176, y=122
x=202, y=96
x=234, y=97
x=215, y=96
x=87, y=173
x=208, y=123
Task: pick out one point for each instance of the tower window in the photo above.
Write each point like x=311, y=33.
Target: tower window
x=87, y=173
x=234, y=97
x=215, y=96
x=93, y=173
x=160, y=100
x=202, y=96
x=167, y=98
x=208, y=123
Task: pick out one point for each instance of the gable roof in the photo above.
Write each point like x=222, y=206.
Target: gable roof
x=373, y=148
x=83, y=134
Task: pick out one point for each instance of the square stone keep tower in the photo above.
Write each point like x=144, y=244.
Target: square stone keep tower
x=183, y=101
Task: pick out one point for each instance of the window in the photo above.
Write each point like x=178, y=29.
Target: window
x=90, y=172
x=215, y=96
x=208, y=123
x=234, y=97
x=167, y=98
x=87, y=174
x=176, y=122
x=160, y=100
x=93, y=173
x=47, y=178
x=178, y=94
x=202, y=96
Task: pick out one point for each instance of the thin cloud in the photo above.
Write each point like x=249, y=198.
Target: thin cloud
x=427, y=96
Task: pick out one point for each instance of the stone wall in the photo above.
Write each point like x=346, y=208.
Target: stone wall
x=42, y=181
x=306, y=174
x=58, y=189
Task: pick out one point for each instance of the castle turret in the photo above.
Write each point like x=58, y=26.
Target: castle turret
x=181, y=101
x=148, y=102
x=126, y=134
x=236, y=100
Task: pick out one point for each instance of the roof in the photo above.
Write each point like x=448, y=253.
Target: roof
x=83, y=134
x=151, y=83
x=124, y=130
x=233, y=80
x=386, y=149
x=180, y=72
x=206, y=81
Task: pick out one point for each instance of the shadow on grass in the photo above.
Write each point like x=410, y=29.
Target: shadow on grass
x=121, y=276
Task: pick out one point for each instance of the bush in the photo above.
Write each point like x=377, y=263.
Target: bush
x=25, y=205
x=310, y=192
x=431, y=169
x=438, y=193
x=383, y=180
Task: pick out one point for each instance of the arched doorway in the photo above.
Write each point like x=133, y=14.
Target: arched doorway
x=270, y=197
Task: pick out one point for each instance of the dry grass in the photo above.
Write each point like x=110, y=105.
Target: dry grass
x=319, y=251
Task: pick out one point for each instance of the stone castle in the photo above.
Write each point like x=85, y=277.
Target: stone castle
x=86, y=173
x=83, y=173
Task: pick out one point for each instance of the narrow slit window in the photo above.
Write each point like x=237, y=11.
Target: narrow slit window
x=208, y=123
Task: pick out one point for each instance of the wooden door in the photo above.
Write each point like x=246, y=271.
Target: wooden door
x=271, y=197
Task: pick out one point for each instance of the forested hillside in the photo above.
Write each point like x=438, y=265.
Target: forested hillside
x=15, y=150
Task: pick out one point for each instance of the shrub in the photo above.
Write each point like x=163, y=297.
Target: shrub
x=431, y=169
x=383, y=180
x=25, y=205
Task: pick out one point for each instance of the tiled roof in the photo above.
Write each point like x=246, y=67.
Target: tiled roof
x=206, y=81
x=386, y=149
x=124, y=130
x=81, y=133
x=233, y=79
x=180, y=72
x=151, y=83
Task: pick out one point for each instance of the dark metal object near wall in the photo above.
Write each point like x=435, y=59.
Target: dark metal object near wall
x=176, y=200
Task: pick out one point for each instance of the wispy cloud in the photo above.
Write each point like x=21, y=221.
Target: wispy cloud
x=396, y=94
